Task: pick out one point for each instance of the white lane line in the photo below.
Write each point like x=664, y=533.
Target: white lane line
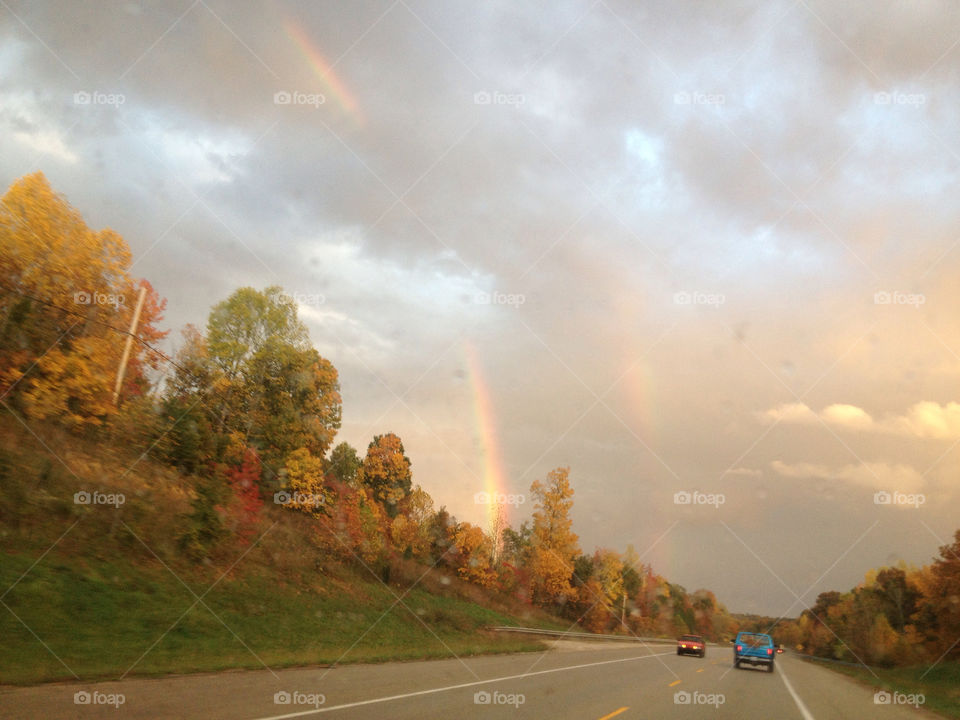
x=431, y=691
x=793, y=693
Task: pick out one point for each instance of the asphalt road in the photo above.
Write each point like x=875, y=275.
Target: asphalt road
x=577, y=680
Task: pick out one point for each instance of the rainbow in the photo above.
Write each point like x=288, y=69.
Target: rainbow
x=333, y=87
x=493, y=476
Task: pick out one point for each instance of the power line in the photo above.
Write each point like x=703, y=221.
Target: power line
x=85, y=316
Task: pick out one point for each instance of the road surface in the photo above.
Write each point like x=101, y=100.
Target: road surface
x=576, y=680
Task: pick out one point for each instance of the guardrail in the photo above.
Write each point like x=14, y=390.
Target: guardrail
x=589, y=636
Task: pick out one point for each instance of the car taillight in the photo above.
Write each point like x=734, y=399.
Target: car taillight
x=769, y=651
x=739, y=648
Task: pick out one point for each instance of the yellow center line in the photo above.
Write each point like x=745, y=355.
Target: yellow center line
x=615, y=713
x=700, y=670
x=675, y=682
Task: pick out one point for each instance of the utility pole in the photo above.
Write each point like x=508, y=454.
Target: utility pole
x=122, y=370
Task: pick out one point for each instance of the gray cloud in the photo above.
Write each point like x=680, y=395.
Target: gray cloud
x=627, y=153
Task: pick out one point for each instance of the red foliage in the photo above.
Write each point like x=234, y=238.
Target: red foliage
x=244, y=506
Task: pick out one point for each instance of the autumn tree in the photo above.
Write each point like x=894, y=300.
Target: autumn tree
x=410, y=528
x=344, y=463
x=946, y=594
x=66, y=301
x=385, y=472
x=244, y=504
x=474, y=554
x=258, y=380
x=553, y=545
x=305, y=482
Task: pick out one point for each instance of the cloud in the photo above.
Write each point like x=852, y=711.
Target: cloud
x=790, y=413
x=745, y=472
x=924, y=419
x=873, y=475
x=930, y=420
x=848, y=416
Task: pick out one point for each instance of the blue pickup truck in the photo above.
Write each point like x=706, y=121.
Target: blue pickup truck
x=754, y=649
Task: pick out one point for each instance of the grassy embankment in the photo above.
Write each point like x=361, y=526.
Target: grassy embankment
x=99, y=591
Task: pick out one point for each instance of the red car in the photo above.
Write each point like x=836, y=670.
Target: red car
x=691, y=645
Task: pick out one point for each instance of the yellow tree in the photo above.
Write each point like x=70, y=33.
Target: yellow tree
x=305, y=480
x=66, y=299
x=410, y=529
x=385, y=471
x=554, y=545
x=474, y=559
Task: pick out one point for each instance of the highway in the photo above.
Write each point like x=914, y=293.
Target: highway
x=581, y=680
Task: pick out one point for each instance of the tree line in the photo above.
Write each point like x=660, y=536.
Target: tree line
x=897, y=616
x=248, y=411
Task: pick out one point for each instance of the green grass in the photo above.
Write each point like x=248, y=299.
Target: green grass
x=96, y=592
x=940, y=686
x=105, y=618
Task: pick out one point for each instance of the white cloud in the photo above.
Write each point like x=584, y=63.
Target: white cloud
x=790, y=413
x=924, y=419
x=849, y=416
x=745, y=472
x=873, y=475
x=47, y=142
x=929, y=420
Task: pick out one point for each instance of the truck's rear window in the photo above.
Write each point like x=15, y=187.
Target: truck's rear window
x=754, y=640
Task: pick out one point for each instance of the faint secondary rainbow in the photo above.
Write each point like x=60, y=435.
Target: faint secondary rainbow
x=493, y=474
x=333, y=86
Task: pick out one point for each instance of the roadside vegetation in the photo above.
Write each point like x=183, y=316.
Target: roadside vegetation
x=204, y=515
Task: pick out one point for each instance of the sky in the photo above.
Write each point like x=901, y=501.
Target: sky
x=704, y=254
